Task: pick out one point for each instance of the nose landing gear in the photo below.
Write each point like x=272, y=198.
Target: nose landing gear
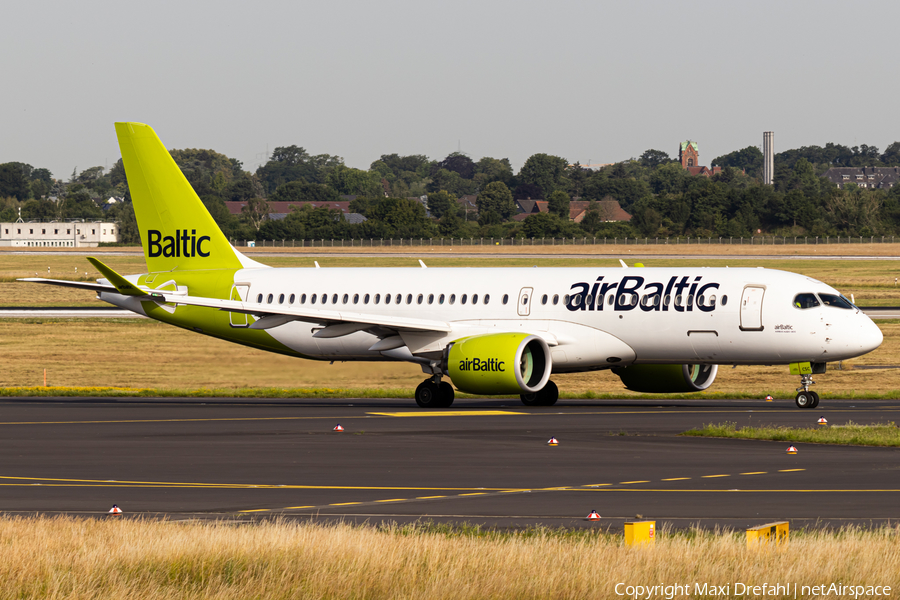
x=806, y=398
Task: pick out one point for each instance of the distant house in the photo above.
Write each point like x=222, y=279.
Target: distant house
x=864, y=177
x=689, y=155
x=610, y=210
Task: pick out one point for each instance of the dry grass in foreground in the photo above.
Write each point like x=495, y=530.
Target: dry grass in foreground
x=851, y=434
x=87, y=558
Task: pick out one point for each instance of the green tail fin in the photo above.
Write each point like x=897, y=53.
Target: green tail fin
x=177, y=232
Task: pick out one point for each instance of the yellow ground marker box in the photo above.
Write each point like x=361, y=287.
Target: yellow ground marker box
x=803, y=368
x=770, y=532
x=640, y=532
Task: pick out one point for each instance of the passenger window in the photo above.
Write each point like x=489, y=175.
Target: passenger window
x=355, y=298
x=409, y=298
x=566, y=300
x=377, y=298
x=576, y=300
x=281, y=299
x=269, y=299
x=452, y=298
x=487, y=298
x=544, y=299
x=524, y=299
x=724, y=300
x=677, y=300
x=291, y=299
x=387, y=298
x=346, y=298
x=836, y=301
x=334, y=298
x=690, y=301
x=366, y=299
x=302, y=298
x=430, y=298
x=505, y=298
x=462, y=300
x=555, y=299
x=312, y=299
x=611, y=299
x=441, y=299
x=589, y=301
x=259, y=298
x=712, y=300
x=474, y=298
x=399, y=298
x=701, y=300
x=419, y=299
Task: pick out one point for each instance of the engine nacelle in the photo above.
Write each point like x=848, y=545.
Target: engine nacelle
x=498, y=363
x=662, y=379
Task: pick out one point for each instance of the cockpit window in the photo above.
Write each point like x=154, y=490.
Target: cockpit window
x=805, y=301
x=836, y=301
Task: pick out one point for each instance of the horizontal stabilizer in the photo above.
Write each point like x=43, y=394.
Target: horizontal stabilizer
x=122, y=285
x=82, y=285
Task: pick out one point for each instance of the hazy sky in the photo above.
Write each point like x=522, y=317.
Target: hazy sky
x=590, y=81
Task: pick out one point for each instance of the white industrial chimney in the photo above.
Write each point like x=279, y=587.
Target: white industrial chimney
x=768, y=157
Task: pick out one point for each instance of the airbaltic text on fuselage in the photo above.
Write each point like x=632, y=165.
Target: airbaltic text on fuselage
x=476, y=364
x=183, y=244
x=679, y=293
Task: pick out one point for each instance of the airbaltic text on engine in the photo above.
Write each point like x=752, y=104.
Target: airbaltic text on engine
x=476, y=364
x=182, y=245
x=634, y=284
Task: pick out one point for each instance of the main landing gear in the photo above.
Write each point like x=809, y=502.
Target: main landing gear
x=434, y=393
x=546, y=396
x=806, y=398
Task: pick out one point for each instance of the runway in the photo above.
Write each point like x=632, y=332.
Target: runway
x=481, y=462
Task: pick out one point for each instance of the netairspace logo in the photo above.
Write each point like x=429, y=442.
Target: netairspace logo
x=746, y=590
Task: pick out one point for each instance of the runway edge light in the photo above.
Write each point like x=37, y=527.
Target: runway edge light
x=115, y=510
x=594, y=516
x=769, y=398
x=792, y=449
x=553, y=442
x=338, y=428
x=822, y=421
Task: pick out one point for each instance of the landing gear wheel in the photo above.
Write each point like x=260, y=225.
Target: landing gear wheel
x=428, y=394
x=547, y=396
x=815, y=397
x=805, y=399
x=447, y=394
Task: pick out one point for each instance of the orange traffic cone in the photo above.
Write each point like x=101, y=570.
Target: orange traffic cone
x=553, y=442
x=115, y=510
x=594, y=516
x=822, y=421
x=338, y=428
x=792, y=450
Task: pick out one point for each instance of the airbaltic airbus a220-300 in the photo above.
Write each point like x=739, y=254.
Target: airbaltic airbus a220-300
x=489, y=331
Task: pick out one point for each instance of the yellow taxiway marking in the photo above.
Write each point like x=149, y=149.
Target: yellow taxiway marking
x=393, y=500
x=676, y=479
x=789, y=470
x=711, y=476
x=120, y=483
x=344, y=503
x=297, y=507
x=255, y=510
x=474, y=494
x=428, y=497
x=629, y=482
x=755, y=473
x=447, y=413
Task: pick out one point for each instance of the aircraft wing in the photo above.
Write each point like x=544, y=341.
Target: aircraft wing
x=83, y=285
x=274, y=315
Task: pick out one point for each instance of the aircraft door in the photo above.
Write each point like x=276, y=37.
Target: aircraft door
x=524, y=304
x=239, y=293
x=751, y=308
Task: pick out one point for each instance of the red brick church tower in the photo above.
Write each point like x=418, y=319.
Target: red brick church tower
x=689, y=155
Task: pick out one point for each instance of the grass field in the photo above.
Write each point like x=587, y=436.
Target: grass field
x=122, y=559
x=139, y=353
x=850, y=433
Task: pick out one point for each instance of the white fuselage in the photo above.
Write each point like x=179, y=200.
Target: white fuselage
x=614, y=317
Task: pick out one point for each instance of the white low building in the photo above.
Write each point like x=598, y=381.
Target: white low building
x=58, y=234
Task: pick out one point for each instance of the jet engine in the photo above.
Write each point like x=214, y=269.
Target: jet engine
x=498, y=363
x=663, y=379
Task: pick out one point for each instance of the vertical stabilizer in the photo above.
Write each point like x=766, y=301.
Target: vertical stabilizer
x=177, y=232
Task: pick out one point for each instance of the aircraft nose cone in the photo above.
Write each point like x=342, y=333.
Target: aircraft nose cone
x=870, y=336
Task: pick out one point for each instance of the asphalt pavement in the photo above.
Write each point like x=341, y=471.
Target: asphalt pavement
x=480, y=462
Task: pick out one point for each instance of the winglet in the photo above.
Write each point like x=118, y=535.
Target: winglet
x=122, y=285
x=622, y=262
x=422, y=263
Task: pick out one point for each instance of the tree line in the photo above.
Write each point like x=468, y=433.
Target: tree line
x=664, y=199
